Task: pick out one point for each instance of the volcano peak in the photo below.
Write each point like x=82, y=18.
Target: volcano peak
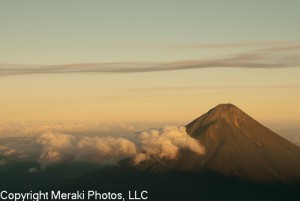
x=226, y=109
x=226, y=113
x=224, y=106
x=238, y=146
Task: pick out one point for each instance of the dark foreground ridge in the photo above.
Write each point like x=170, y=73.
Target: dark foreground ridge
x=179, y=186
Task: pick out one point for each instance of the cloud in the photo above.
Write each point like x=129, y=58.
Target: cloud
x=58, y=147
x=296, y=140
x=151, y=144
x=33, y=170
x=231, y=45
x=97, y=150
x=50, y=143
x=32, y=129
x=275, y=57
x=39, y=141
x=5, y=151
x=3, y=162
x=166, y=143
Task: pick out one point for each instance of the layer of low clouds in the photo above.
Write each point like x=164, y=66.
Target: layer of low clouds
x=50, y=144
x=32, y=129
x=33, y=170
x=59, y=148
x=153, y=144
x=297, y=140
x=6, y=151
x=293, y=135
x=19, y=139
x=275, y=57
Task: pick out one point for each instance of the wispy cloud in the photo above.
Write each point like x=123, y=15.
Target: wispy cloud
x=254, y=44
x=275, y=57
x=233, y=87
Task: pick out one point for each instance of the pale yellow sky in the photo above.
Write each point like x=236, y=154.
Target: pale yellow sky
x=271, y=96
x=185, y=60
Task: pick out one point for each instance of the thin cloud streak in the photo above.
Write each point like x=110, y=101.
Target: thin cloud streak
x=243, y=87
x=231, y=45
x=278, y=57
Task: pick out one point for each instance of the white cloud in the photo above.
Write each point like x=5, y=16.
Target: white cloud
x=166, y=143
x=51, y=143
x=59, y=147
x=5, y=151
x=97, y=150
x=33, y=170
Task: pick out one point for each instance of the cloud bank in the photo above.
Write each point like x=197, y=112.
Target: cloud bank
x=154, y=144
x=6, y=151
x=32, y=129
x=50, y=144
x=59, y=148
x=277, y=57
x=297, y=140
x=166, y=143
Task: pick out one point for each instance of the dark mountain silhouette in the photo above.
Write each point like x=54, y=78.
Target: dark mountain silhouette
x=236, y=146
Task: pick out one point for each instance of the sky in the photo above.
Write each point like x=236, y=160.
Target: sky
x=149, y=61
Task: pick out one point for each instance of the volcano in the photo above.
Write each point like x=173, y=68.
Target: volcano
x=236, y=146
x=243, y=160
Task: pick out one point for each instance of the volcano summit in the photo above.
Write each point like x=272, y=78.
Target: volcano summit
x=237, y=146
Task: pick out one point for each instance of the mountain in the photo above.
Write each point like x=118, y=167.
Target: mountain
x=243, y=161
x=236, y=146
